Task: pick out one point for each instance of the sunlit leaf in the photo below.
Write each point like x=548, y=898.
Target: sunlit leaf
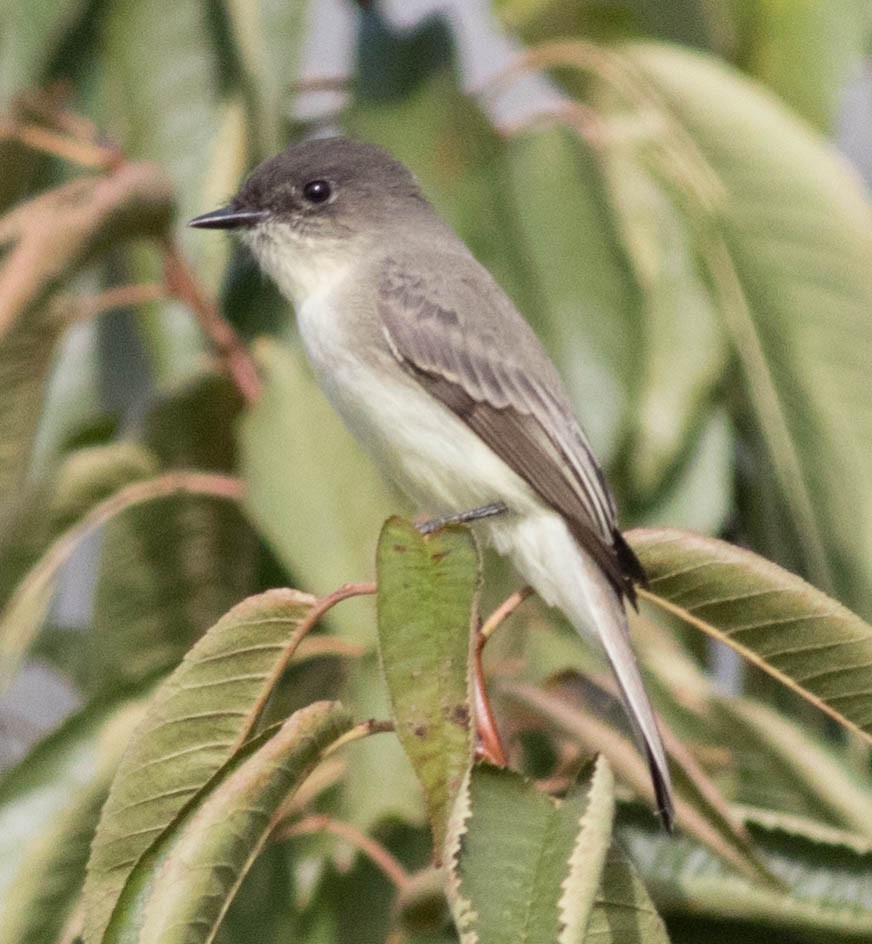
x=197, y=720
x=806, y=51
x=805, y=639
x=181, y=888
x=523, y=867
x=269, y=40
x=427, y=589
x=784, y=231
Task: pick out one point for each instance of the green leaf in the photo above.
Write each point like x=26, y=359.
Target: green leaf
x=160, y=96
x=312, y=493
x=786, y=764
x=25, y=358
x=49, y=806
x=828, y=875
x=806, y=51
x=269, y=41
x=31, y=33
x=198, y=719
x=427, y=592
x=522, y=866
x=623, y=911
x=785, y=233
x=169, y=570
x=700, y=809
x=690, y=22
x=590, y=300
x=180, y=890
x=22, y=616
x=803, y=638
x=683, y=347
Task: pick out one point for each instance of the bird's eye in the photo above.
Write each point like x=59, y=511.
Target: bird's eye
x=317, y=191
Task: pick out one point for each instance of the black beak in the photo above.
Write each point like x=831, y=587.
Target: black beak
x=228, y=218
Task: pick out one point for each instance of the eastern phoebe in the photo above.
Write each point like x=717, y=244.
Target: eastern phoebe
x=444, y=383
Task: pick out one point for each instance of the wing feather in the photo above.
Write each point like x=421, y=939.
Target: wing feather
x=468, y=346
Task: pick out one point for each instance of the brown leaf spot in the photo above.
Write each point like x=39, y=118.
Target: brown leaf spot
x=459, y=715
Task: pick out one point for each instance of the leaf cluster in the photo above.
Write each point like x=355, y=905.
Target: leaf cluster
x=247, y=762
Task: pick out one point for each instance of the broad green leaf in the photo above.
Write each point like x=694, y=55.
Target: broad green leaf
x=785, y=234
x=522, y=866
x=828, y=875
x=623, y=911
x=49, y=806
x=25, y=358
x=311, y=491
x=268, y=37
x=805, y=50
x=690, y=22
x=159, y=97
x=169, y=570
x=31, y=33
x=805, y=639
x=427, y=594
x=590, y=299
x=22, y=616
x=198, y=719
x=784, y=762
x=682, y=346
x=180, y=890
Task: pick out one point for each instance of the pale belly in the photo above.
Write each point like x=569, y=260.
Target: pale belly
x=417, y=442
x=438, y=461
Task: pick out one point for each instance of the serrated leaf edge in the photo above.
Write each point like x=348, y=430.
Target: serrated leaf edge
x=588, y=857
x=465, y=915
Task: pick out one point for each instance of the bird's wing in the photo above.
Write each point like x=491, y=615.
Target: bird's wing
x=467, y=345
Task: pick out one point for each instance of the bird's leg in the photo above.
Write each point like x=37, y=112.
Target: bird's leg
x=463, y=517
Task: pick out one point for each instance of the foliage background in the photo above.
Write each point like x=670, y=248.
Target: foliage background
x=667, y=213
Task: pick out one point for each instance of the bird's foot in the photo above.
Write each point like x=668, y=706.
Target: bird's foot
x=463, y=517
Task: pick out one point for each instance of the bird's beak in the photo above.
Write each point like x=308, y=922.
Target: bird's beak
x=228, y=218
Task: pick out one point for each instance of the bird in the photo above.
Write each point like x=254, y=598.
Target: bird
x=445, y=384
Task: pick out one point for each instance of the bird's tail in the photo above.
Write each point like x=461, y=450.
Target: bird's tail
x=545, y=552
x=610, y=618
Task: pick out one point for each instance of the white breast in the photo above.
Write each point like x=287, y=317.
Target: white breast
x=419, y=443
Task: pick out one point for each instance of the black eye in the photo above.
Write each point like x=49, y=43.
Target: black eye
x=317, y=191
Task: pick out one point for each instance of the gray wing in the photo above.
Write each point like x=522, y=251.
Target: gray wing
x=467, y=345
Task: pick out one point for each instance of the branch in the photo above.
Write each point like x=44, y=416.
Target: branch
x=181, y=284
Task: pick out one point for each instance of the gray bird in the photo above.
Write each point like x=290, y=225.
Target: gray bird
x=443, y=382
